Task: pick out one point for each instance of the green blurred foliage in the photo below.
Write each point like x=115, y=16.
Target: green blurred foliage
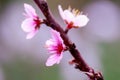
x=4, y=3
x=25, y=70
x=116, y=1
x=111, y=61
x=77, y=4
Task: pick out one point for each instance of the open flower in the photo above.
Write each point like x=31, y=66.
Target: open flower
x=55, y=46
x=32, y=22
x=73, y=18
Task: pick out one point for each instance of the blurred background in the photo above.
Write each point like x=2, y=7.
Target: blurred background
x=98, y=42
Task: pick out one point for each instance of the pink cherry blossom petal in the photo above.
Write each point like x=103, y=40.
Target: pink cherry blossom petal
x=73, y=18
x=28, y=25
x=32, y=22
x=55, y=46
x=66, y=14
x=56, y=36
x=49, y=42
x=81, y=20
x=30, y=11
x=31, y=34
x=61, y=11
x=69, y=17
x=55, y=58
x=51, y=46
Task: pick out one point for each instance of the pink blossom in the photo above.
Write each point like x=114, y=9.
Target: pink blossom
x=32, y=22
x=73, y=18
x=55, y=46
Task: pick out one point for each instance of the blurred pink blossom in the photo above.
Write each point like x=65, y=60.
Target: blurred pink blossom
x=73, y=18
x=32, y=22
x=55, y=46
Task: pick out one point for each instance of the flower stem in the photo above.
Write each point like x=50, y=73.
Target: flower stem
x=66, y=30
x=79, y=61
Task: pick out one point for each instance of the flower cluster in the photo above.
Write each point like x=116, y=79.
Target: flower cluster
x=73, y=18
x=55, y=46
x=32, y=22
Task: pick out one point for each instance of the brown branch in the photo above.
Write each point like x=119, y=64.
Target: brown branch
x=79, y=62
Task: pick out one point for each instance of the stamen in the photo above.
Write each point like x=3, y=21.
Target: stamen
x=69, y=8
x=75, y=12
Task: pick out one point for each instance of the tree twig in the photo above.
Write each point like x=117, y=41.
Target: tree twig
x=79, y=61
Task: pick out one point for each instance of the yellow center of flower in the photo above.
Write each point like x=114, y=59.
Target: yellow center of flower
x=76, y=12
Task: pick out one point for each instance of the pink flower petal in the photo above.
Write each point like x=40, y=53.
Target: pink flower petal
x=56, y=36
x=31, y=34
x=69, y=17
x=66, y=14
x=28, y=25
x=56, y=47
x=61, y=11
x=55, y=58
x=81, y=20
x=51, y=46
x=30, y=11
x=49, y=42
